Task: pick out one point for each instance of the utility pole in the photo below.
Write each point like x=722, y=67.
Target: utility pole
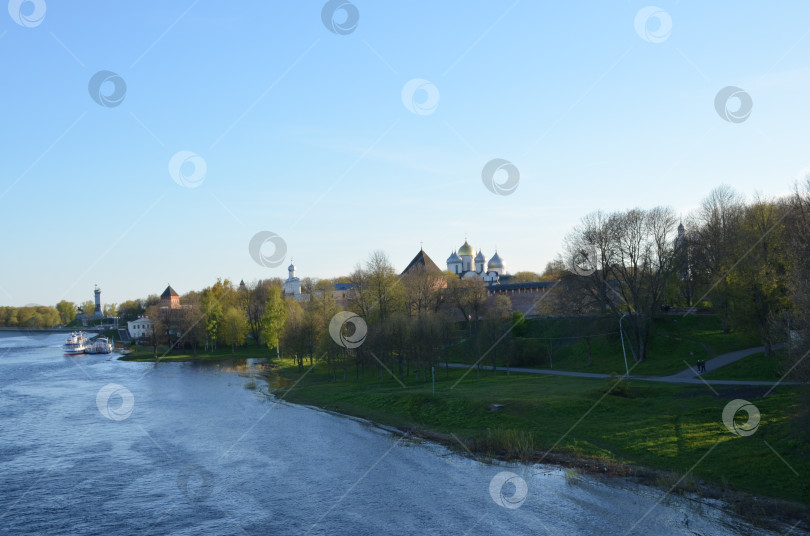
x=621, y=334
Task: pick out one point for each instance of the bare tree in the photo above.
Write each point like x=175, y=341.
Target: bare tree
x=624, y=261
x=713, y=244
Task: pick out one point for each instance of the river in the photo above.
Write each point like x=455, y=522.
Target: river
x=92, y=445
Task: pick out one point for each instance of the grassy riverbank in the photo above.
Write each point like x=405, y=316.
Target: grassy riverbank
x=560, y=343
x=142, y=353
x=676, y=430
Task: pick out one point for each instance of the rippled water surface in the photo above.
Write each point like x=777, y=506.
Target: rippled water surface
x=186, y=449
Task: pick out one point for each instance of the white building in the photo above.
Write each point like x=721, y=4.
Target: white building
x=468, y=265
x=139, y=328
x=292, y=286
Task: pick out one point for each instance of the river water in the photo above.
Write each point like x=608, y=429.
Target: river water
x=92, y=445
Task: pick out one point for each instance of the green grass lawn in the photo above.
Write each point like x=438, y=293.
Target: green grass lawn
x=143, y=353
x=753, y=367
x=674, y=339
x=666, y=427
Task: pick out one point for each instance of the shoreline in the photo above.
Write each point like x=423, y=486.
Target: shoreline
x=767, y=512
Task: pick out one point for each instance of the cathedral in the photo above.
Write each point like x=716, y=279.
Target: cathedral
x=468, y=265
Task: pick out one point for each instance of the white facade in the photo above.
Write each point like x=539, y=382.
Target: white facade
x=140, y=327
x=292, y=286
x=468, y=267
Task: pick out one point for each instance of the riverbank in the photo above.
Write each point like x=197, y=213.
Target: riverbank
x=145, y=354
x=670, y=436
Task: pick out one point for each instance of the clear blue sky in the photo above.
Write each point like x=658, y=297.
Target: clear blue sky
x=305, y=134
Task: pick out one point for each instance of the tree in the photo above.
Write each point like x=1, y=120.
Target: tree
x=88, y=308
x=272, y=322
x=154, y=336
x=625, y=261
x=293, y=338
x=192, y=323
x=525, y=277
x=130, y=310
x=212, y=310
x=422, y=290
x=797, y=322
x=759, y=280
x=713, y=244
x=495, y=330
x=67, y=312
x=469, y=297
x=110, y=309
x=254, y=297
x=234, y=328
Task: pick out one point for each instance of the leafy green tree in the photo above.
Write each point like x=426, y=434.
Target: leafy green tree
x=67, y=312
x=759, y=282
x=275, y=314
x=212, y=309
x=130, y=310
x=88, y=307
x=525, y=277
x=234, y=328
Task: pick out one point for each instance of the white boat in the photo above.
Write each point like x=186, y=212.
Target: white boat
x=102, y=345
x=76, y=343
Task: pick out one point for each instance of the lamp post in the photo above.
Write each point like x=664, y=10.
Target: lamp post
x=621, y=334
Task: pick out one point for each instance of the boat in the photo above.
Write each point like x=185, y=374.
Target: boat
x=76, y=343
x=102, y=345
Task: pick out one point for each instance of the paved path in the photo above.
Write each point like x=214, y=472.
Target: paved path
x=719, y=361
x=688, y=376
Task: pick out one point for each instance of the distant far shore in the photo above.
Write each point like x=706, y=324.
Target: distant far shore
x=47, y=330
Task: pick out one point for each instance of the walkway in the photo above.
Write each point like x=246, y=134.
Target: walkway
x=688, y=376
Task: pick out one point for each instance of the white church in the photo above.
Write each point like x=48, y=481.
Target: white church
x=292, y=285
x=468, y=265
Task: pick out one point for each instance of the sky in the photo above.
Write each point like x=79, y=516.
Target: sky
x=330, y=130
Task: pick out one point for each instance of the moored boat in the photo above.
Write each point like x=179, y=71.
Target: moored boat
x=76, y=343
x=102, y=345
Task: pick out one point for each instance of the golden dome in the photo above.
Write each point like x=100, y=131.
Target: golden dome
x=466, y=250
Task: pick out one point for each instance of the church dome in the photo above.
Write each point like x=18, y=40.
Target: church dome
x=495, y=262
x=480, y=257
x=466, y=250
x=453, y=258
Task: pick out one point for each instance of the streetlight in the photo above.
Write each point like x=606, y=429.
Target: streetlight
x=621, y=334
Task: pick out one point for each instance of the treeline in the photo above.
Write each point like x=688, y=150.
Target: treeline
x=749, y=262
x=409, y=323
x=62, y=314
x=30, y=317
